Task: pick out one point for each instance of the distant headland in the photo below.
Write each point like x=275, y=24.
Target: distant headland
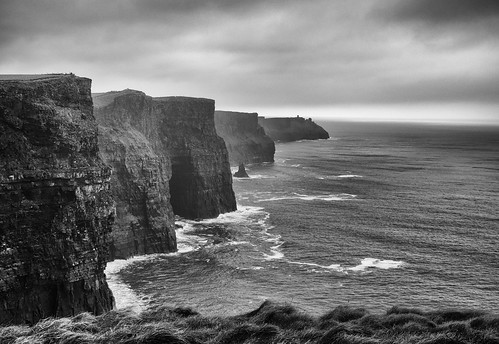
x=292, y=129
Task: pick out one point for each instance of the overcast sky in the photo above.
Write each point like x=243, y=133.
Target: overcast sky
x=378, y=59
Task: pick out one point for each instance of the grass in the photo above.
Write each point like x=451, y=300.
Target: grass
x=271, y=323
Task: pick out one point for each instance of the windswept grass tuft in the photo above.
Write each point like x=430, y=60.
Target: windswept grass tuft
x=271, y=323
x=283, y=316
x=444, y=316
x=345, y=314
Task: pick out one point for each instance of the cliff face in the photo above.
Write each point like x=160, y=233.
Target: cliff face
x=55, y=206
x=201, y=183
x=140, y=181
x=167, y=160
x=292, y=129
x=244, y=137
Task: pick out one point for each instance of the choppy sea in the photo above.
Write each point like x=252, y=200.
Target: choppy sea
x=378, y=215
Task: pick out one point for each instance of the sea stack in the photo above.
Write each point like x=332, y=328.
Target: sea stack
x=168, y=160
x=292, y=129
x=241, y=172
x=56, y=210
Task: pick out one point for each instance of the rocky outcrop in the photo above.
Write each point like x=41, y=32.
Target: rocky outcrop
x=244, y=137
x=241, y=172
x=292, y=129
x=167, y=160
x=55, y=206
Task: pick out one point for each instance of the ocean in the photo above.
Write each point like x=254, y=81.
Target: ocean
x=379, y=215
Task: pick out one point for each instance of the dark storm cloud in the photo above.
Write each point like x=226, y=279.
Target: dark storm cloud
x=446, y=11
x=458, y=22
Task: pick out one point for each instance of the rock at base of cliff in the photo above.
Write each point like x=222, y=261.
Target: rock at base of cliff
x=241, y=173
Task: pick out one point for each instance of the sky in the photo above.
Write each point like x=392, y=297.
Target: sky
x=402, y=60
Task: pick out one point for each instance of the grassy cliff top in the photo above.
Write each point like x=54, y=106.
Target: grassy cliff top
x=29, y=77
x=106, y=98
x=270, y=323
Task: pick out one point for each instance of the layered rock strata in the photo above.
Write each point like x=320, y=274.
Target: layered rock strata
x=245, y=139
x=56, y=210
x=168, y=160
x=292, y=129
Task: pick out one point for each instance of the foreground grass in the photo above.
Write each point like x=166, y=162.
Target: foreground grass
x=270, y=323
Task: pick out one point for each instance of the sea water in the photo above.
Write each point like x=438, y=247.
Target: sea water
x=376, y=216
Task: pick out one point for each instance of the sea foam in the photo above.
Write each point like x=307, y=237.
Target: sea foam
x=329, y=197
x=365, y=264
x=377, y=263
x=124, y=296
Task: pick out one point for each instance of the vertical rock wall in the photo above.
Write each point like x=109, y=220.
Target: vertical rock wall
x=55, y=206
x=201, y=183
x=141, y=174
x=245, y=138
x=167, y=160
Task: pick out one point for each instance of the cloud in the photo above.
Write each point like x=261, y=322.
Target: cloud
x=446, y=11
x=262, y=52
x=445, y=23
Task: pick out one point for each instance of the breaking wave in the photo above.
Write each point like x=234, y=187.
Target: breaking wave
x=329, y=197
x=365, y=265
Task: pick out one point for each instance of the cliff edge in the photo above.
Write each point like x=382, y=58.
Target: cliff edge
x=245, y=139
x=55, y=207
x=167, y=160
x=292, y=129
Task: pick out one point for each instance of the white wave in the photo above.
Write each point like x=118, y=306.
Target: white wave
x=251, y=268
x=276, y=239
x=341, y=176
x=276, y=253
x=349, y=176
x=335, y=267
x=377, y=263
x=124, y=296
x=365, y=264
x=236, y=243
x=330, y=197
x=260, y=176
x=243, y=214
x=187, y=242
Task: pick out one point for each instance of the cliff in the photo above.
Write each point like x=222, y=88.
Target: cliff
x=140, y=181
x=244, y=137
x=167, y=160
x=55, y=206
x=292, y=129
